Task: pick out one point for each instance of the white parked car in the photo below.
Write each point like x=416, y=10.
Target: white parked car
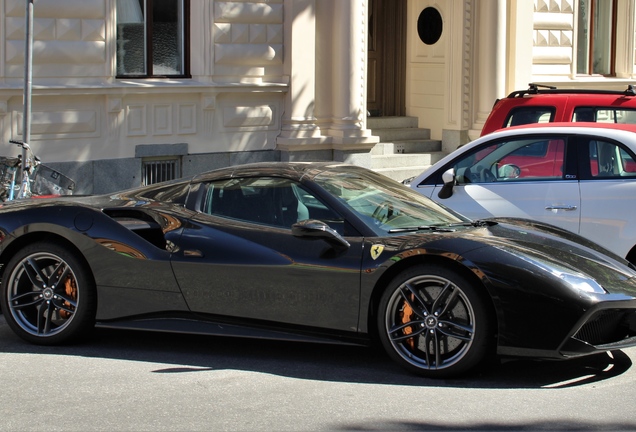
x=578, y=176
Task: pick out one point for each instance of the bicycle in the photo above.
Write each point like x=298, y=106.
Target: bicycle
x=38, y=180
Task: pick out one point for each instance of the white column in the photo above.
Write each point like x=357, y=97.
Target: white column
x=299, y=122
x=348, y=122
x=490, y=54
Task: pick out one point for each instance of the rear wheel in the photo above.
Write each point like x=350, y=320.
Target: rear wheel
x=48, y=295
x=434, y=322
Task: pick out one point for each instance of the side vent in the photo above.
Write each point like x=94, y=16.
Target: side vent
x=157, y=170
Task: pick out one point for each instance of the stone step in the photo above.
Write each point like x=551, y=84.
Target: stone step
x=391, y=122
x=404, y=149
x=402, y=134
x=408, y=146
x=405, y=160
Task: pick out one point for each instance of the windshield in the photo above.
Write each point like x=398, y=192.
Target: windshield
x=384, y=203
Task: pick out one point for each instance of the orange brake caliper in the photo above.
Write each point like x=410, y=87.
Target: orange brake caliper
x=407, y=312
x=70, y=288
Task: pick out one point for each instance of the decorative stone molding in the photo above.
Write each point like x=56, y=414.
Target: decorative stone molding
x=248, y=54
x=249, y=11
x=186, y=118
x=136, y=124
x=208, y=107
x=553, y=33
x=59, y=8
x=467, y=70
x=55, y=52
x=115, y=116
x=248, y=33
x=162, y=119
x=552, y=38
x=248, y=116
x=566, y=6
x=61, y=123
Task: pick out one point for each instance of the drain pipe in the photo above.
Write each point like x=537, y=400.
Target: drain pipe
x=28, y=78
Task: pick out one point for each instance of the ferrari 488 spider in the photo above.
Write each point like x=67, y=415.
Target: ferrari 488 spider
x=313, y=252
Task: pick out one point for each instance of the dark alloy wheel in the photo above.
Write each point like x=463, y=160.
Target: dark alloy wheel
x=434, y=322
x=48, y=297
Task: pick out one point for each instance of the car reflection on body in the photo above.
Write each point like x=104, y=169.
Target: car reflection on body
x=322, y=252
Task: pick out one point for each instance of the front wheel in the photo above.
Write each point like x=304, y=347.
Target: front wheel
x=434, y=322
x=48, y=295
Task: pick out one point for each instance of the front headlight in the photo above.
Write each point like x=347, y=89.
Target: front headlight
x=582, y=283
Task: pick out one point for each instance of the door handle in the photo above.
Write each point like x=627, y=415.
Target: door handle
x=562, y=207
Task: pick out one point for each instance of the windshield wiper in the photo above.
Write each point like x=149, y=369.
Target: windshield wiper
x=445, y=228
x=423, y=228
x=476, y=223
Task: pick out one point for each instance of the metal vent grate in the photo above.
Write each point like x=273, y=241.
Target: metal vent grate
x=604, y=327
x=157, y=171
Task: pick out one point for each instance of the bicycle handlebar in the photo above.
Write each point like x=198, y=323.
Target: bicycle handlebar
x=21, y=144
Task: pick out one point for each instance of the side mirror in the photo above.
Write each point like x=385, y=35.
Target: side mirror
x=317, y=229
x=449, y=182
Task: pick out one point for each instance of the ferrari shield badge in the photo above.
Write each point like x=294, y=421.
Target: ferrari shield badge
x=376, y=251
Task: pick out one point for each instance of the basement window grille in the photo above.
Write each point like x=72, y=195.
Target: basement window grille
x=159, y=170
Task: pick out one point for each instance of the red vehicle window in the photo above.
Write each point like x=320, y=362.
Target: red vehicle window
x=520, y=159
x=604, y=115
x=531, y=114
x=542, y=159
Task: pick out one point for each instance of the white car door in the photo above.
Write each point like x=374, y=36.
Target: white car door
x=521, y=177
x=554, y=202
x=608, y=192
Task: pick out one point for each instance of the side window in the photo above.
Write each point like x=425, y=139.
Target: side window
x=518, y=160
x=527, y=115
x=608, y=160
x=264, y=200
x=604, y=115
x=152, y=38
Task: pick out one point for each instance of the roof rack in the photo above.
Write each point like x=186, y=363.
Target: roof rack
x=534, y=88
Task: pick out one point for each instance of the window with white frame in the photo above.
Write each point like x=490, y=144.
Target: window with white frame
x=152, y=38
x=596, y=37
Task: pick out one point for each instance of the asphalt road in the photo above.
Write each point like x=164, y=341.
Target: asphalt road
x=134, y=381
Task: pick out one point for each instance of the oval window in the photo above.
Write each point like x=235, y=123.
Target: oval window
x=429, y=25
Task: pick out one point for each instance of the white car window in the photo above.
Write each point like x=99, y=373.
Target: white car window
x=608, y=160
x=516, y=160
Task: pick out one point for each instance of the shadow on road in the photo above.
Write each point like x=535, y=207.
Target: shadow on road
x=177, y=353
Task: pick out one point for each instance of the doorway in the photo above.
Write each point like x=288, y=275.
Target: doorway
x=386, y=66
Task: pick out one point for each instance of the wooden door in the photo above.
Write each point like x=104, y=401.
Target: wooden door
x=386, y=69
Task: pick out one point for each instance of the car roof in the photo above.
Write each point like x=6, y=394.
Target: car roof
x=292, y=170
x=585, y=127
x=537, y=90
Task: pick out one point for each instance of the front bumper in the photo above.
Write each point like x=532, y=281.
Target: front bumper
x=608, y=326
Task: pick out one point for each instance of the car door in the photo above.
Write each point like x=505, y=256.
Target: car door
x=522, y=176
x=239, y=258
x=608, y=187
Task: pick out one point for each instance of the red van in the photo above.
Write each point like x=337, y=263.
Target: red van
x=543, y=104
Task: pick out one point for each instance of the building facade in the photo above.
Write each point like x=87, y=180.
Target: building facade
x=131, y=91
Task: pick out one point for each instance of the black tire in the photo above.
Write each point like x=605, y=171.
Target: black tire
x=48, y=295
x=434, y=322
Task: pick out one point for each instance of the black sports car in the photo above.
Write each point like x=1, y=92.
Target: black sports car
x=314, y=252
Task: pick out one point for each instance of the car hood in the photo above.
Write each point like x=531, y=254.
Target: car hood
x=503, y=244
x=557, y=250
